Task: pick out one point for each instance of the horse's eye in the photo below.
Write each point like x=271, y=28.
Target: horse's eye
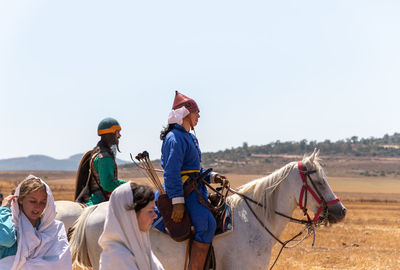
x=321, y=183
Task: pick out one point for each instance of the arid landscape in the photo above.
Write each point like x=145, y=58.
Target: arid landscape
x=368, y=238
x=255, y=85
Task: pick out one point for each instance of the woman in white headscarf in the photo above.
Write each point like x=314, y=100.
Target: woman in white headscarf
x=35, y=239
x=125, y=240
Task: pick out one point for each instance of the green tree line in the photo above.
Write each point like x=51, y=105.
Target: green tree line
x=388, y=145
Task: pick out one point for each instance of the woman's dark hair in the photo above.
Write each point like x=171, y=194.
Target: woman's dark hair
x=165, y=131
x=142, y=195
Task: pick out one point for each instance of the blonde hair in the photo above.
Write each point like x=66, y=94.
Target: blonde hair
x=30, y=184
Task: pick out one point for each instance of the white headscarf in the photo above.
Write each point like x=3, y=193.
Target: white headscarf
x=124, y=245
x=44, y=248
x=176, y=116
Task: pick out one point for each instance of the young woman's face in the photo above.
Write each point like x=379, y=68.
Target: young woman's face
x=194, y=118
x=33, y=205
x=146, y=216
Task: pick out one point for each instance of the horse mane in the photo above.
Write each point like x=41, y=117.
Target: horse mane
x=262, y=190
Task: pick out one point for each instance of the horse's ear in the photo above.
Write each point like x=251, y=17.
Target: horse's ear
x=314, y=153
x=318, y=151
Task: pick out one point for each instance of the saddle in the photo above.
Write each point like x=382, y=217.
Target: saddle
x=215, y=201
x=222, y=214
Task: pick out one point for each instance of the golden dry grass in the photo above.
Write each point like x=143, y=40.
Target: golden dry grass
x=62, y=184
x=368, y=238
x=365, y=184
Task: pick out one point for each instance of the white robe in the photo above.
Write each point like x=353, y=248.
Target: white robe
x=124, y=245
x=44, y=248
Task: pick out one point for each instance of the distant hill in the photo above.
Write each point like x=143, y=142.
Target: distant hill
x=43, y=163
x=253, y=158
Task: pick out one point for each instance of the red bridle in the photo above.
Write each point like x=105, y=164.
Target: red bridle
x=317, y=195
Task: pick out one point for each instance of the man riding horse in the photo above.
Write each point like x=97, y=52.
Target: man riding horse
x=97, y=174
x=180, y=159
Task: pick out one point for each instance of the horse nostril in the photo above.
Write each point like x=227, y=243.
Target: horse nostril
x=344, y=211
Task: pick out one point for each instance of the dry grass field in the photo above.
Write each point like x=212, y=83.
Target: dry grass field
x=368, y=238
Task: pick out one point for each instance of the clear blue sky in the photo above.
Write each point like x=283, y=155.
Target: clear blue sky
x=260, y=71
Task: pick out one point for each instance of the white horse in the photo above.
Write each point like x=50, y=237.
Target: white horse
x=249, y=245
x=68, y=212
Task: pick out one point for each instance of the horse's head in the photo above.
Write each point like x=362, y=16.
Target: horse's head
x=316, y=194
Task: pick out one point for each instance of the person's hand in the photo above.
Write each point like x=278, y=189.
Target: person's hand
x=219, y=178
x=7, y=200
x=177, y=212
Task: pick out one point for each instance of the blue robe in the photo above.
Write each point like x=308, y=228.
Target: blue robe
x=180, y=153
x=8, y=236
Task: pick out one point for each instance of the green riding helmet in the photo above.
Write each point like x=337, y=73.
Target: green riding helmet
x=108, y=125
